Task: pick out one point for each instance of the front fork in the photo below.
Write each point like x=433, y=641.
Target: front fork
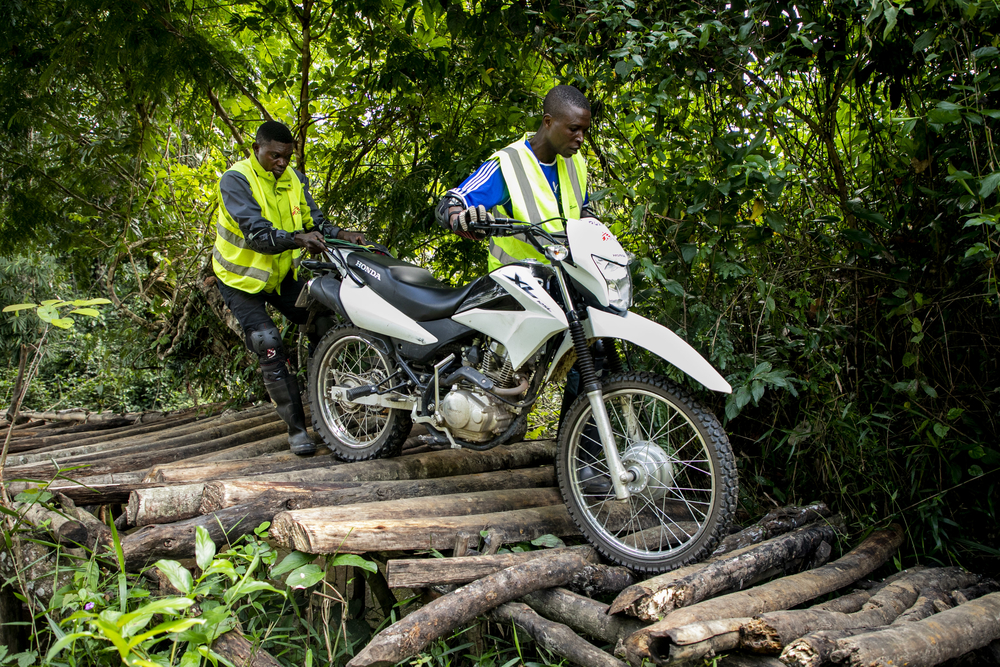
x=620, y=477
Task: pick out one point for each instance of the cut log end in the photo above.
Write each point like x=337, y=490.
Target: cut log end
x=760, y=637
x=801, y=654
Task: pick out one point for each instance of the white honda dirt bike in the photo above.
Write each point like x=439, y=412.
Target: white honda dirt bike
x=646, y=472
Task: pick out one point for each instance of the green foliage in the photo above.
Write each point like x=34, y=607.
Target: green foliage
x=810, y=191
x=108, y=617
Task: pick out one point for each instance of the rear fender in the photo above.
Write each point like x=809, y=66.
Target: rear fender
x=654, y=337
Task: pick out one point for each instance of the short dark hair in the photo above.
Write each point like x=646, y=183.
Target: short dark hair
x=561, y=98
x=272, y=130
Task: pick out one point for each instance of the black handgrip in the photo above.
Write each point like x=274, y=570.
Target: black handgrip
x=316, y=265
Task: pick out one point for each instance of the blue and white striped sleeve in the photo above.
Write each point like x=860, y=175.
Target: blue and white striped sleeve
x=485, y=187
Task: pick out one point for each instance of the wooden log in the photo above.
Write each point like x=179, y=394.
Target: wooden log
x=72, y=438
x=585, y=615
x=189, y=421
x=423, y=572
x=814, y=648
x=555, y=637
x=168, y=432
x=660, y=595
x=771, y=632
x=654, y=642
x=452, y=505
x=34, y=565
x=144, y=455
x=91, y=490
x=743, y=660
x=853, y=601
x=414, y=466
x=775, y=522
x=240, y=651
x=931, y=641
x=190, y=470
x=43, y=518
x=177, y=540
x=438, y=618
x=600, y=580
x=424, y=533
x=278, y=443
x=164, y=504
x=227, y=493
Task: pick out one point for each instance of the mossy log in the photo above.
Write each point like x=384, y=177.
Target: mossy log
x=656, y=643
x=772, y=631
x=227, y=493
x=423, y=572
x=414, y=632
x=555, y=637
x=655, y=597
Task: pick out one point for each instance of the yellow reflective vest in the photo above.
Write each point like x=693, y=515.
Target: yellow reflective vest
x=532, y=198
x=281, y=202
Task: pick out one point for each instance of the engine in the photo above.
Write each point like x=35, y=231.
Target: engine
x=471, y=413
x=474, y=416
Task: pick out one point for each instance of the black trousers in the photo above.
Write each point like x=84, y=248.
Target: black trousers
x=250, y=310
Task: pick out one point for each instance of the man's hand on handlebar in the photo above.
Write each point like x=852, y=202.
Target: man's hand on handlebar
x=312, y=242
x=472, y=223
x=357, y=238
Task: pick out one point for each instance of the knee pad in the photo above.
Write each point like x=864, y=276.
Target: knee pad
x=267, y=344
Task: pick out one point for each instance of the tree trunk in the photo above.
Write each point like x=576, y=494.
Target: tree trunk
x=585, y=615
x=188, y=471
x=86, y=434
x=164, y=504
x=776, y=522
x=772, y=631
x=423, y=572
x=654, y=642
x=95, y=490
x=438, y=618
x=146, y=454
x=177, y=540
x=220, y=494
x=316, y=535
x=241, y=652
x=931, y=641
x=816, y=647
x=555, y=637
x=660, y=595
x=445, y=463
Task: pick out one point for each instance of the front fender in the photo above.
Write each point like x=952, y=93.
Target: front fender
x=654, y=337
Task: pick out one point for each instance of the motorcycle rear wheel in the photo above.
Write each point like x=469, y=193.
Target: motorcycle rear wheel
x=684, y=494
x=349, y=357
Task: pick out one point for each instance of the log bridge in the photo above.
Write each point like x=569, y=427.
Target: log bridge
x=782, y=591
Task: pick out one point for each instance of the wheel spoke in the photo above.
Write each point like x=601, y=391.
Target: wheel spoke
x=673, y=487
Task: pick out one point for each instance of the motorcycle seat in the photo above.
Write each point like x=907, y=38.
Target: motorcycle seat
x=411, y=289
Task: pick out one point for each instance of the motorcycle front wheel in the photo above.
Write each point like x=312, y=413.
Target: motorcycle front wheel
x=684, y=488
x=349, y=357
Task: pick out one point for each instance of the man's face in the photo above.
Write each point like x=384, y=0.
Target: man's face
x=273, y=156
x=566, y=129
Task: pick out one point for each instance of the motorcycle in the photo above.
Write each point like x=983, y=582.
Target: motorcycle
x=646, y=472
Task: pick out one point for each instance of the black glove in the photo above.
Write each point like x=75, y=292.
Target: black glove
x=463, y=223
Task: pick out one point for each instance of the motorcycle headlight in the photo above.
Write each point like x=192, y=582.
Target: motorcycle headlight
x=619, y=282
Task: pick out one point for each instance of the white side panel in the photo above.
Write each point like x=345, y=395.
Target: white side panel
x=368, y=310
x=521, y=332
x=656, y=338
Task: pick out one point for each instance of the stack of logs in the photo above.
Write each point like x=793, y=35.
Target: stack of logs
x=229, y=472
x=920, y=616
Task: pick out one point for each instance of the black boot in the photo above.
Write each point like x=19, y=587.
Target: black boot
x=284, y=391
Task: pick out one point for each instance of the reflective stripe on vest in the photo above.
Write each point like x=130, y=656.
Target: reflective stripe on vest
x=532, y=198
x=234, y=261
